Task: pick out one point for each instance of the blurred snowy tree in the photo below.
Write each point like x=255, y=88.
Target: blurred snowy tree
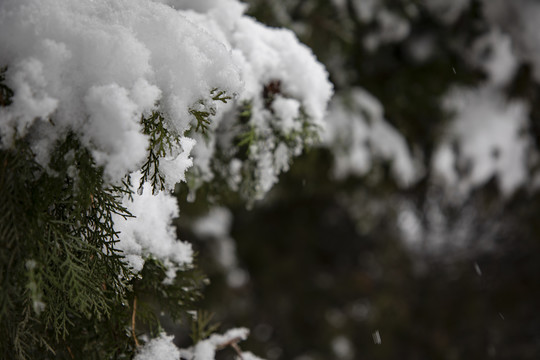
x=416, y=218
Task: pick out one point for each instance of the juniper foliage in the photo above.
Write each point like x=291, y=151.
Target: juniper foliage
x=162, y=142
x=67, y=291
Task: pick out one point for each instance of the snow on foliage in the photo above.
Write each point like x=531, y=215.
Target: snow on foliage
x=216, y=227
x=150, y=231
x=446, y=11
x=206, y=349
x=486, y=136
x=283, y=105
x=519, y=19
x=151, y=89
x=488, y=132
x=358, y=134
x=161, y=348
x=97, y=68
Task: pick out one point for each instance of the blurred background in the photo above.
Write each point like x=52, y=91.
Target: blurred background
x=412, y=231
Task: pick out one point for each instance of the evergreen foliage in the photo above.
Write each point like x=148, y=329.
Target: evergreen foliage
x=66, y=288
x=90, y=267
x=162, y=142
x=57, y=246
x=204, y=111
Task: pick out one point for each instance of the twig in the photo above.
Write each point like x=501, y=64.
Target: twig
x=70, y=353
x=234, y=344
x=238, y=350
x=133, y=315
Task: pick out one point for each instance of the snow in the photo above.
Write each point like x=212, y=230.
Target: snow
x=95, y=67
x=246, y=355
x=276, y=54
x=519, y=19
x=386, y=25
x=488, y=132
x=494, y=53
x=358, y=135
x=477, y=269
x=174, y=167
x=447, y=11
x=342, y=347
x=150, y=232
x=30, y=100
x=287, y=111
x=377, y=337
x=114, y=126
x=206, y=349
x=391, y=28
x=365, y=9
x=299, y=91
x=216, y=223
x=161, y=348
x=216, y=226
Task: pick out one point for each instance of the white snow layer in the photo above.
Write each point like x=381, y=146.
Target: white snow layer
x=519, y=18
x=160, y=348
x=287, y=90
x=150, y=232
x=163, y=348
x=95, y=67
x=485, y=139
x=206, y=349
x=358, y=134
x=216, y=226
x=447, y=11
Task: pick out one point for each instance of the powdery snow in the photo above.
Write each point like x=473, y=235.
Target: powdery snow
x=96, y=67
x=159, y=348
x=286, y=90
x=488, y=132
x=358, y=135
x=216, y=227
x=150, y=232
x=206, y=349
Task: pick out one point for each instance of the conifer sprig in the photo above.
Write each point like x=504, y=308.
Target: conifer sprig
x=162, y=142
x=202, y=326
x=58, y=260
x=204, y=111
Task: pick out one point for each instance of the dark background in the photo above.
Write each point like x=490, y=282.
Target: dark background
x=328, y=259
